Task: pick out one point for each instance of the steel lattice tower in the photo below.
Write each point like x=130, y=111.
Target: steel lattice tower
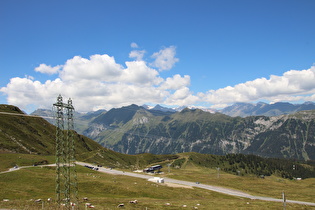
x=66, y=178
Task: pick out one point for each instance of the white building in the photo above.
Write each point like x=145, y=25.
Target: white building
x=156, y=179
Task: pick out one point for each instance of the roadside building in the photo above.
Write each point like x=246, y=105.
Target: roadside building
x=152, y=168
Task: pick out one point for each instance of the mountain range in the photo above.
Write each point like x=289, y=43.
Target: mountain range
x=138, y=129
x=248, y=109
x=264, y=109
x=30, y=140
x=134, y=129
x=33, y=139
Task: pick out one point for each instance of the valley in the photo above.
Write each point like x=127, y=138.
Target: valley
x=106, y=191
x=27, y=141
x=133, y=130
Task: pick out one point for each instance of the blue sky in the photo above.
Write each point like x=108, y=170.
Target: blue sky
x=107, y=54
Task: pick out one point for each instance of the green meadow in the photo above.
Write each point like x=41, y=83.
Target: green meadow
x=269, y=186
x=20, y=189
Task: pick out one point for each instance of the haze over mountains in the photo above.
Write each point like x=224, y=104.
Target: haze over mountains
x=261, y=108
x=237, y=109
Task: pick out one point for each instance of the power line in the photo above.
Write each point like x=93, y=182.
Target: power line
x=66, y=179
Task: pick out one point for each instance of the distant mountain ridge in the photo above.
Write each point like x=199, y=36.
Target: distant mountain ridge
x=177, y=109
x=264, y=109
x=247, y=109
x=133, y=130
x=136, y=129
x=237, y=109
x=81, y=120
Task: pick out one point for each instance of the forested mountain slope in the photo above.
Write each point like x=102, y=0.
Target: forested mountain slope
x=134, y=129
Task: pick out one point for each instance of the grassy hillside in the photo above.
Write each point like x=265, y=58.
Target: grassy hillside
x=113, y=159
x=30, y=140
x=271, y=186
x=244, y=165
x=23, y=134
x=20, y=133
x=106, y=191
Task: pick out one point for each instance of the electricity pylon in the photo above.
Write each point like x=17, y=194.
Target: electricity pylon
x=66, y=176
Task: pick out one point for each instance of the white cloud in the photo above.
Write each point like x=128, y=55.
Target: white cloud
x=310, y=98
x=134, y=45
x=25, y=91
x=45, y=69
x=98, y=67
x=181, y=93
x=165, y=58
x=138, y=72
x=99, y=82
x=292, y=85
x=95, y=82
x=176, y=82
x=137, y=54
x=182, y=97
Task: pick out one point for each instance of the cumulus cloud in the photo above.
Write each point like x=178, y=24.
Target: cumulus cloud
x=98, y=67
x=165, y=59
x=25, y=91
x=45, y=69
x=137, y=54
x=176, y=82
x=100, y=82
x=293, y=85
x=104, y=83
x=182, y=97
x=93, y=83
x=138, y=72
